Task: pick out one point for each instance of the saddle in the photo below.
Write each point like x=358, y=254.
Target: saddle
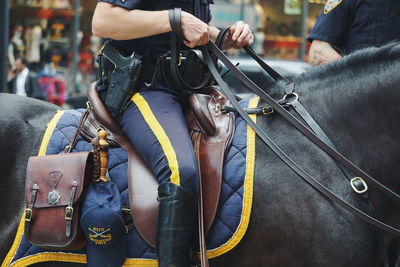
x=212, y=132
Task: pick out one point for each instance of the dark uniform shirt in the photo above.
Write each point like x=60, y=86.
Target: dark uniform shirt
x=158, y=44
x=349, y=25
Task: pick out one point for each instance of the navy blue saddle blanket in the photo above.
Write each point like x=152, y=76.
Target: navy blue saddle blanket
x=233, y=213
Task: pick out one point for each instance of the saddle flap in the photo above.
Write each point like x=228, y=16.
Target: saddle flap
x=202, y=115
x=54, y=177
x=211, y=149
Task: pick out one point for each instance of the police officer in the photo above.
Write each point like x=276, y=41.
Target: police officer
x=154, y=119
x=348, y=25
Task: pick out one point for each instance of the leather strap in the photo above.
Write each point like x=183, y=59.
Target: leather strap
x=174, y=15
x=264, y=137
x=85, y=115
x=29, y=210
x=219, y=41
x=69, y=210
x=292, y=100
x=176, y=56
x=258, y=111
x=200, y=211
x=264, y=65
x=300, y=126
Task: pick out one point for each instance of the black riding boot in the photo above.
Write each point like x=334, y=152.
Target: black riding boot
x=176, y=218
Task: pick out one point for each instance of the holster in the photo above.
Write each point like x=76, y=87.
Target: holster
x=122, y=79
x=53, y=189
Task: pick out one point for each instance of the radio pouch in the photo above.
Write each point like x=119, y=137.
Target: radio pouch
x=53, y=189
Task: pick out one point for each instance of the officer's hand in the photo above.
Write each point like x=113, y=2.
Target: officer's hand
x=239, y=35
x=322, y=52
x=194, y=30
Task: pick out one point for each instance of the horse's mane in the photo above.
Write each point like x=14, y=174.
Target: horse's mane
x=366, y=61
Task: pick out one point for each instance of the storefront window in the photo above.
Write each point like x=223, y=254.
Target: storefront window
x=277, y=24
x=41, y=31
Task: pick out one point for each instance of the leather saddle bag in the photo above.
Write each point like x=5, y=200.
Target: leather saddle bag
x=53, y=190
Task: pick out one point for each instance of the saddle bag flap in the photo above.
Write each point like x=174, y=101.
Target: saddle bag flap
x=53, y=189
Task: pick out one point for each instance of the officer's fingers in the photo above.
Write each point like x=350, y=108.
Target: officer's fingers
x=199, y=39
x=245, y=34
x=251, y=40
x=202, y=41
x=237, y=30
x=189, y=44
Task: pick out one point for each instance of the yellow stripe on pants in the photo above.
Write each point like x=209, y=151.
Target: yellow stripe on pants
x=160, y=134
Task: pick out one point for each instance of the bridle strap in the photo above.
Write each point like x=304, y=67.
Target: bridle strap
x=292, y=100
x=264, y=65
x=298, y=107
x=264, y=137
x=299, y=125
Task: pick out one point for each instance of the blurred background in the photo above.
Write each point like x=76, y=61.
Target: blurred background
x=54, y=36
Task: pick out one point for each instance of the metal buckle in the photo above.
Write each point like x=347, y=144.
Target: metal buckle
x=267, y=110
x=28, y=214
x=101, y=49
x=69, y=211
x=180, y=59
x=358, y=179
x=287, y=96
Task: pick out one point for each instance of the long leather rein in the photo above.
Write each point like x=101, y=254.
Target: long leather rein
x=302, y=128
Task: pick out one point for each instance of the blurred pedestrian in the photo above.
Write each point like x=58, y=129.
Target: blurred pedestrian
x=25, y=82
x=345, y=26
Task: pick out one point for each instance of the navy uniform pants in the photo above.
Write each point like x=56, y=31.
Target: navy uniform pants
x=155, y=124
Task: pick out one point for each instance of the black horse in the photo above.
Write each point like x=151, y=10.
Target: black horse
x=355, y=101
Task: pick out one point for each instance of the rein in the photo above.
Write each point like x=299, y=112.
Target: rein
x=291, y=99
x=302, y=128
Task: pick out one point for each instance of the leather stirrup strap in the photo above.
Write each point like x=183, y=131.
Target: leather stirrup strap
x=202, y=242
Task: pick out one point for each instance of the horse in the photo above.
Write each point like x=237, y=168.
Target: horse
x=354, y=100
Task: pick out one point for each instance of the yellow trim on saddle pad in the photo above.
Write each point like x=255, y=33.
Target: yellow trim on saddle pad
x=247, y=191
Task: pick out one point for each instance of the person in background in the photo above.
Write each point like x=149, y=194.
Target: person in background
x=345, y=26
x=154, y=119
x=25, y=82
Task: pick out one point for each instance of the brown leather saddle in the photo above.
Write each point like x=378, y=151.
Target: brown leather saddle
x=212, y=132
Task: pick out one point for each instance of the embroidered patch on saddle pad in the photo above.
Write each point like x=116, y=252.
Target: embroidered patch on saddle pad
x=233, y=213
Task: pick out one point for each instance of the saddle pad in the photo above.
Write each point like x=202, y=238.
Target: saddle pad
x=233, y=213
